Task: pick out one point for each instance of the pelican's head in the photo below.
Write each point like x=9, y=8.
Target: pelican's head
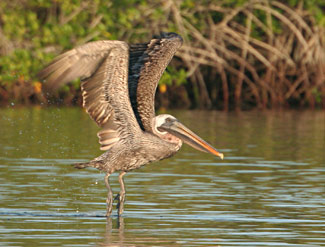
x=170, y=129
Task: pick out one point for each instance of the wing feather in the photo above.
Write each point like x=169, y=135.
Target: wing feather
x=104, y=67
x=147, y=64
x=80, y=62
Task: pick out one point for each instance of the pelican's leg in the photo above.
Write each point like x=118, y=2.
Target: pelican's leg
x=121, y=196
x=109, y=200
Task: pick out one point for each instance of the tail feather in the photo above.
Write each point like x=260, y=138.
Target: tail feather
x=94, y=163
x=81, y=165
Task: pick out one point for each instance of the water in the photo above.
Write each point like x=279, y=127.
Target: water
x=268, y=191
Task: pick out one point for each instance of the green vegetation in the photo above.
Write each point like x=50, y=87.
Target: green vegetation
x=236, y=54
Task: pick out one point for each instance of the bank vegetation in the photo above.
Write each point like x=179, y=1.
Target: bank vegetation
x=236, y=54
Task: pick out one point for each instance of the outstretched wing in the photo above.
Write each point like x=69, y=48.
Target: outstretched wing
x=147, y=63
x=103, y=65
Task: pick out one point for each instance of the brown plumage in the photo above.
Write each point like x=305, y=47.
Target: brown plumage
x=118, y=88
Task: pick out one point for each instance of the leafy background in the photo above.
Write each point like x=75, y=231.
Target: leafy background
x=236, y=54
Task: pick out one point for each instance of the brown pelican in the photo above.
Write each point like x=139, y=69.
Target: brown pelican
x=119, y=82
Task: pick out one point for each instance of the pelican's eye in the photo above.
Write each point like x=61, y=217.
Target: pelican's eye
x=169, y=120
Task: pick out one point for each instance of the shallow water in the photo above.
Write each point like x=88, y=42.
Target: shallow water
x=268, y=191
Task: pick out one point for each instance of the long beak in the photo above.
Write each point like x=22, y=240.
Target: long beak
x=179, y=130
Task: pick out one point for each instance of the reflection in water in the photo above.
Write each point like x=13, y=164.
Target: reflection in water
x=110, y=238
x=268, y=191
x=114, y=236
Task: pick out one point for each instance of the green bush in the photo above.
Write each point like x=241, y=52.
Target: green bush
x=33, y=32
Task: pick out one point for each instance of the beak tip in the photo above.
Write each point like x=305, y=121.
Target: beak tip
x=221, y=156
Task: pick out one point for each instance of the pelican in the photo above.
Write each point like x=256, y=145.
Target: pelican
x=118, y=86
